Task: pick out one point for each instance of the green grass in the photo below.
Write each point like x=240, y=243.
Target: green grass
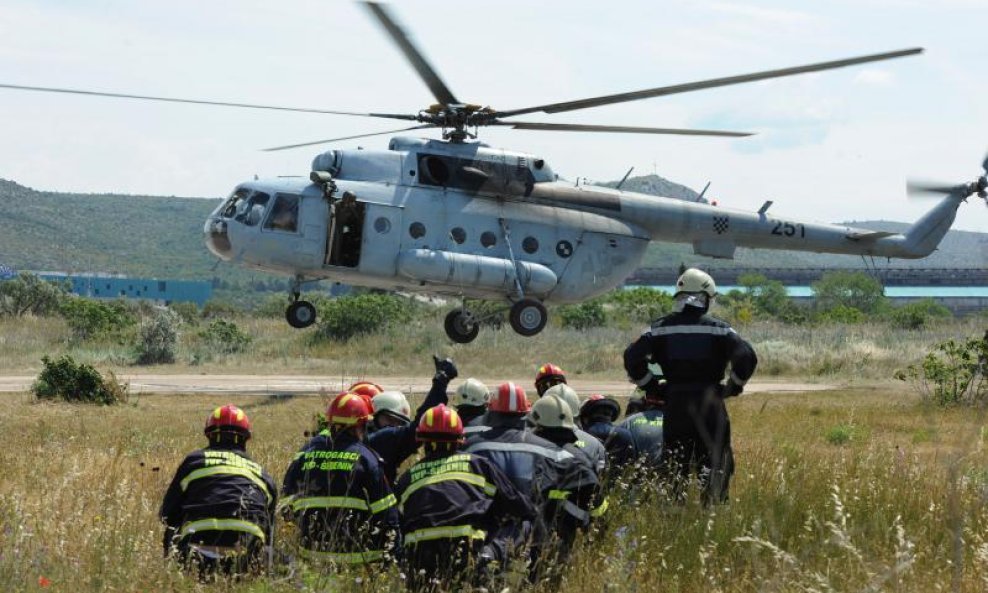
x=82, y=484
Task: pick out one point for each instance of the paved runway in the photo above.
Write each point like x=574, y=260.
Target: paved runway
x=274, y=384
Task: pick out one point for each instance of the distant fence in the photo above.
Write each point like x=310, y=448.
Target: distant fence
x=804, y=276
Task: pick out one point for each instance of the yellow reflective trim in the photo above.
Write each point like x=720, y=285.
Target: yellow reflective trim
x=225, y=470
x=344, y=400
x=454, y=419
x=343, y=557
x=599, y=511
x=217, y=413
x=475, y=479
x=559, y=494
x=329, y=502
x=428, y=417
x=384, y=504
x=222, y=525
x=431, y=533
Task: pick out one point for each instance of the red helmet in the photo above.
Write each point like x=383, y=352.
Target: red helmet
x=348, y=409
x=365, y=388
x=548, y=375
x=440, y=424
x=599, y=402
x=228, y=418
x=509, y=399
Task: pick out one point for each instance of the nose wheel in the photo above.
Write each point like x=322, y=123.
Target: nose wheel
x=461, y=326
x=300, y=314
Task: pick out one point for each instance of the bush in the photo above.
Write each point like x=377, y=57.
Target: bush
x=215, y=309
x=187, y=312
x=952, y=373
x=918, y=315
x=584, y=316
x=89, y=318
x=350, y=316
x=842, y=314
x=640, y=304
x=225, y=337
x=72, y=382
x=158, y=338
x=849, y=290
x=26, y=293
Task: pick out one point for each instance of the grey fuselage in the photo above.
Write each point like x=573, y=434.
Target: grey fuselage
x=464, y=219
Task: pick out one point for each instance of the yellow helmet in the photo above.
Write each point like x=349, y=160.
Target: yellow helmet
x=552, y=412
x=567, y=395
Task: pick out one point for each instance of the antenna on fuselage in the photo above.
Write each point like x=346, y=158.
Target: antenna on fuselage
x=699, y=198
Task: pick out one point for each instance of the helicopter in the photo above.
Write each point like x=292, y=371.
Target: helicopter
x=458, y=218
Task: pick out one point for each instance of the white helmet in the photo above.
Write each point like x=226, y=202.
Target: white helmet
x=472, y=393
x=694, y=280
x=565, y=394
x=393, y=403
x=552, y=412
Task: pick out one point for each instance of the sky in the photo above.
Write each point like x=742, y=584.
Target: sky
x=830, y=146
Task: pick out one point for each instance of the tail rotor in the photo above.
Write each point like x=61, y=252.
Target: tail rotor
x=978, y=187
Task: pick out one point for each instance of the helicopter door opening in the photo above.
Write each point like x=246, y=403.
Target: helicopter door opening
x=346, y=232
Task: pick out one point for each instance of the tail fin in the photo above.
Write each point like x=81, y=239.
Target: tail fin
x=922, y=238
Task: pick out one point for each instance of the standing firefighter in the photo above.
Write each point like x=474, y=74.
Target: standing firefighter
x=219, y=509
x=337, y=492
x=694, y=350
x=453, y=506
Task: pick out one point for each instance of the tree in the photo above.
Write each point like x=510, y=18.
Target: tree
x=768, y=297
x=26, y=293
x=849, y=290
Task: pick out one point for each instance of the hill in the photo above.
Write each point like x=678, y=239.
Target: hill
x=160, y=236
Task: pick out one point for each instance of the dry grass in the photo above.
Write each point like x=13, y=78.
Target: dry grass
x=900, y=506
x=865, y=352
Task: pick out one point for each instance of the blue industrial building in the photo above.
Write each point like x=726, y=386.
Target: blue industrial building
x=117, y=287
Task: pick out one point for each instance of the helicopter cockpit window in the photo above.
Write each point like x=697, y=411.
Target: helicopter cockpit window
x=234, y=202
x=251, y=211
x=284, y=214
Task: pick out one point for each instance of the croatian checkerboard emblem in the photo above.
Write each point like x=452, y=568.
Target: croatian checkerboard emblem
x=721, y=224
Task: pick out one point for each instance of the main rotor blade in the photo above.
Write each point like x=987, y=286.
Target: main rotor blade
x=706, y=84
x=426, y=72
x=45, y=89
x=522, y=125
x=422, y=127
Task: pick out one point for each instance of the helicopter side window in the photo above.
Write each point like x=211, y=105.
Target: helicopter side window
x=251, y=211
x=284, y=214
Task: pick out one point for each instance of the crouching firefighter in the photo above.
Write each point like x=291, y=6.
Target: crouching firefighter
x=337, y=494
x=219, y=509
x=453, y=506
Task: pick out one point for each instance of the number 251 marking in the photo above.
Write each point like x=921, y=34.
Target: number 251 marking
x=788, y=229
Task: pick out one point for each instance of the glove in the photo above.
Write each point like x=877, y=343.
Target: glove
x=445, y=367
x=731, y=389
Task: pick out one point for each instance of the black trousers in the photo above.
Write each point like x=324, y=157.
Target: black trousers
x=696, y=435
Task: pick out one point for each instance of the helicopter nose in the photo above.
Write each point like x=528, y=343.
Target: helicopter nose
x=217, y=239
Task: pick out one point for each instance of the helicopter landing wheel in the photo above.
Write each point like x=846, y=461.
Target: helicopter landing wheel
x=461, y=327
x=528, y=317
x=300, y=314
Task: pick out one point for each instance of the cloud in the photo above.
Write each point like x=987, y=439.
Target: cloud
x=872, y=77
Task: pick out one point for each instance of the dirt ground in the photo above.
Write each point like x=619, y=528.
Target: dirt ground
x=275, y=384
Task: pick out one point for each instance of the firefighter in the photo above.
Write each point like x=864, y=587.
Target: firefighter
x=694, y=350
x=589, y=444
x=598, y=415
x=634, y=404
x=337, y=492
x=219, y=509
x=453, y=506
x=365, y=389
x=645, y=428
x=471, y=399
x=394, y=438
x=576, y=497
x=547, y=376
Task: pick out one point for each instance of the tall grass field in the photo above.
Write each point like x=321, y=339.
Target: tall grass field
x=856, y=489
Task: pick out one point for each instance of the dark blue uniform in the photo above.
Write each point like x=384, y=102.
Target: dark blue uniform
x=395, y=444
x=341, y=501
x=618, y=443
x=220, y=500
x=645, y=429
x=454, y=508
x=694, y=351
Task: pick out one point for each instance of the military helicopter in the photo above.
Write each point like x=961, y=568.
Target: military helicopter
x=459, y=218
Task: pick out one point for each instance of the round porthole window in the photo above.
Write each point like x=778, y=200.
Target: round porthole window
x=416, y=230
x=530, y=244
x=458, y=235
x=382, y=225
x=488, y=239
